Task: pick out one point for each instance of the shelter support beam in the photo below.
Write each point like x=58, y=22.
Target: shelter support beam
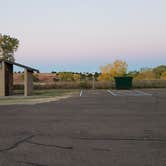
x=6, y=79
x=28, y=82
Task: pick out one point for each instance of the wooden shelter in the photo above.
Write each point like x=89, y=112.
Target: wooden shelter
x=6, y=78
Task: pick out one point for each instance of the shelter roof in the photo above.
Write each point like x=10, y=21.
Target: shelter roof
x=20, y=65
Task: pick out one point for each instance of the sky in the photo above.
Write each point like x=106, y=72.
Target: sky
x=82, y=35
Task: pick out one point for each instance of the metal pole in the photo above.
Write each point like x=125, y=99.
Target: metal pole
x=93, y=82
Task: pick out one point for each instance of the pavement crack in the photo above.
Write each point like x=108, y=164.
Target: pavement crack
x=48, y=145
x=123, y=139
x=17, y=144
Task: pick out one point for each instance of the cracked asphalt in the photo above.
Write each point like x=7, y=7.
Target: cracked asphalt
x=94, y=129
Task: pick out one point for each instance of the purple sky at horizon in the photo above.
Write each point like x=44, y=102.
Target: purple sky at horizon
x=81, y=35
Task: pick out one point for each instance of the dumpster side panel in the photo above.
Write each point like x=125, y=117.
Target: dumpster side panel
x=123, y=82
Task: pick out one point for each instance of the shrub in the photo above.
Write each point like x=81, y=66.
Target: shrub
x=98, y=84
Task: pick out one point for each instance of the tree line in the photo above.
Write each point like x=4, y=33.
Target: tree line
x=9, y=45
x=117, y=69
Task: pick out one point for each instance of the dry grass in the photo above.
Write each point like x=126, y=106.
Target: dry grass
x=98, y=84
x=149, y=83
x=39, y=96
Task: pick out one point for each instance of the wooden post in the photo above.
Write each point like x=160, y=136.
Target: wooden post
x=28, y=82
x=6, y=79
x=2, y=79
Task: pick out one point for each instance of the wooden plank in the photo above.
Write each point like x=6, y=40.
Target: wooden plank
x=20, y=65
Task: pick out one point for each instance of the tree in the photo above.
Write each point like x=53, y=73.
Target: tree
x=8, y=45
x=96, y=75
x=163, y=76
x=65, y=76
x=146, y=75
x=76, y=77
x=132, y=74
x=118, y=68
x=89, y=76
x=104, y=77
x=159, y=70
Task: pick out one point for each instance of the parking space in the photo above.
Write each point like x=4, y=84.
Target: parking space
x=128, y=93
x=97, y=93
x=93, y=93
x=95, y=128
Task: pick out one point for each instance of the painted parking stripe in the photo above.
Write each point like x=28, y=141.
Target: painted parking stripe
x=129, y=93
x=143, y=93
x=81, y=93
x=112, y=93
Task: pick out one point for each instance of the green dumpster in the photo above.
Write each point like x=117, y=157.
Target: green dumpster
x=123, y=82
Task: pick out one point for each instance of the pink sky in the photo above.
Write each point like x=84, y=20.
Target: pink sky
x=82, y=35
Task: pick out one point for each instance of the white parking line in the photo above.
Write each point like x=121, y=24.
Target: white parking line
x=112, y=93
x=81, y=93
x=143, y=93
x=129, y=93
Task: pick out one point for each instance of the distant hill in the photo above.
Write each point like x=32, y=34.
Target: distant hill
x=41, y=77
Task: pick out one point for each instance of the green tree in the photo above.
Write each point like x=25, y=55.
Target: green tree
x=96, y=75
x=8, y=45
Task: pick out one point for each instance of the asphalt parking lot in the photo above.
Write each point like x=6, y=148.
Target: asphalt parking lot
x=93, y=128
